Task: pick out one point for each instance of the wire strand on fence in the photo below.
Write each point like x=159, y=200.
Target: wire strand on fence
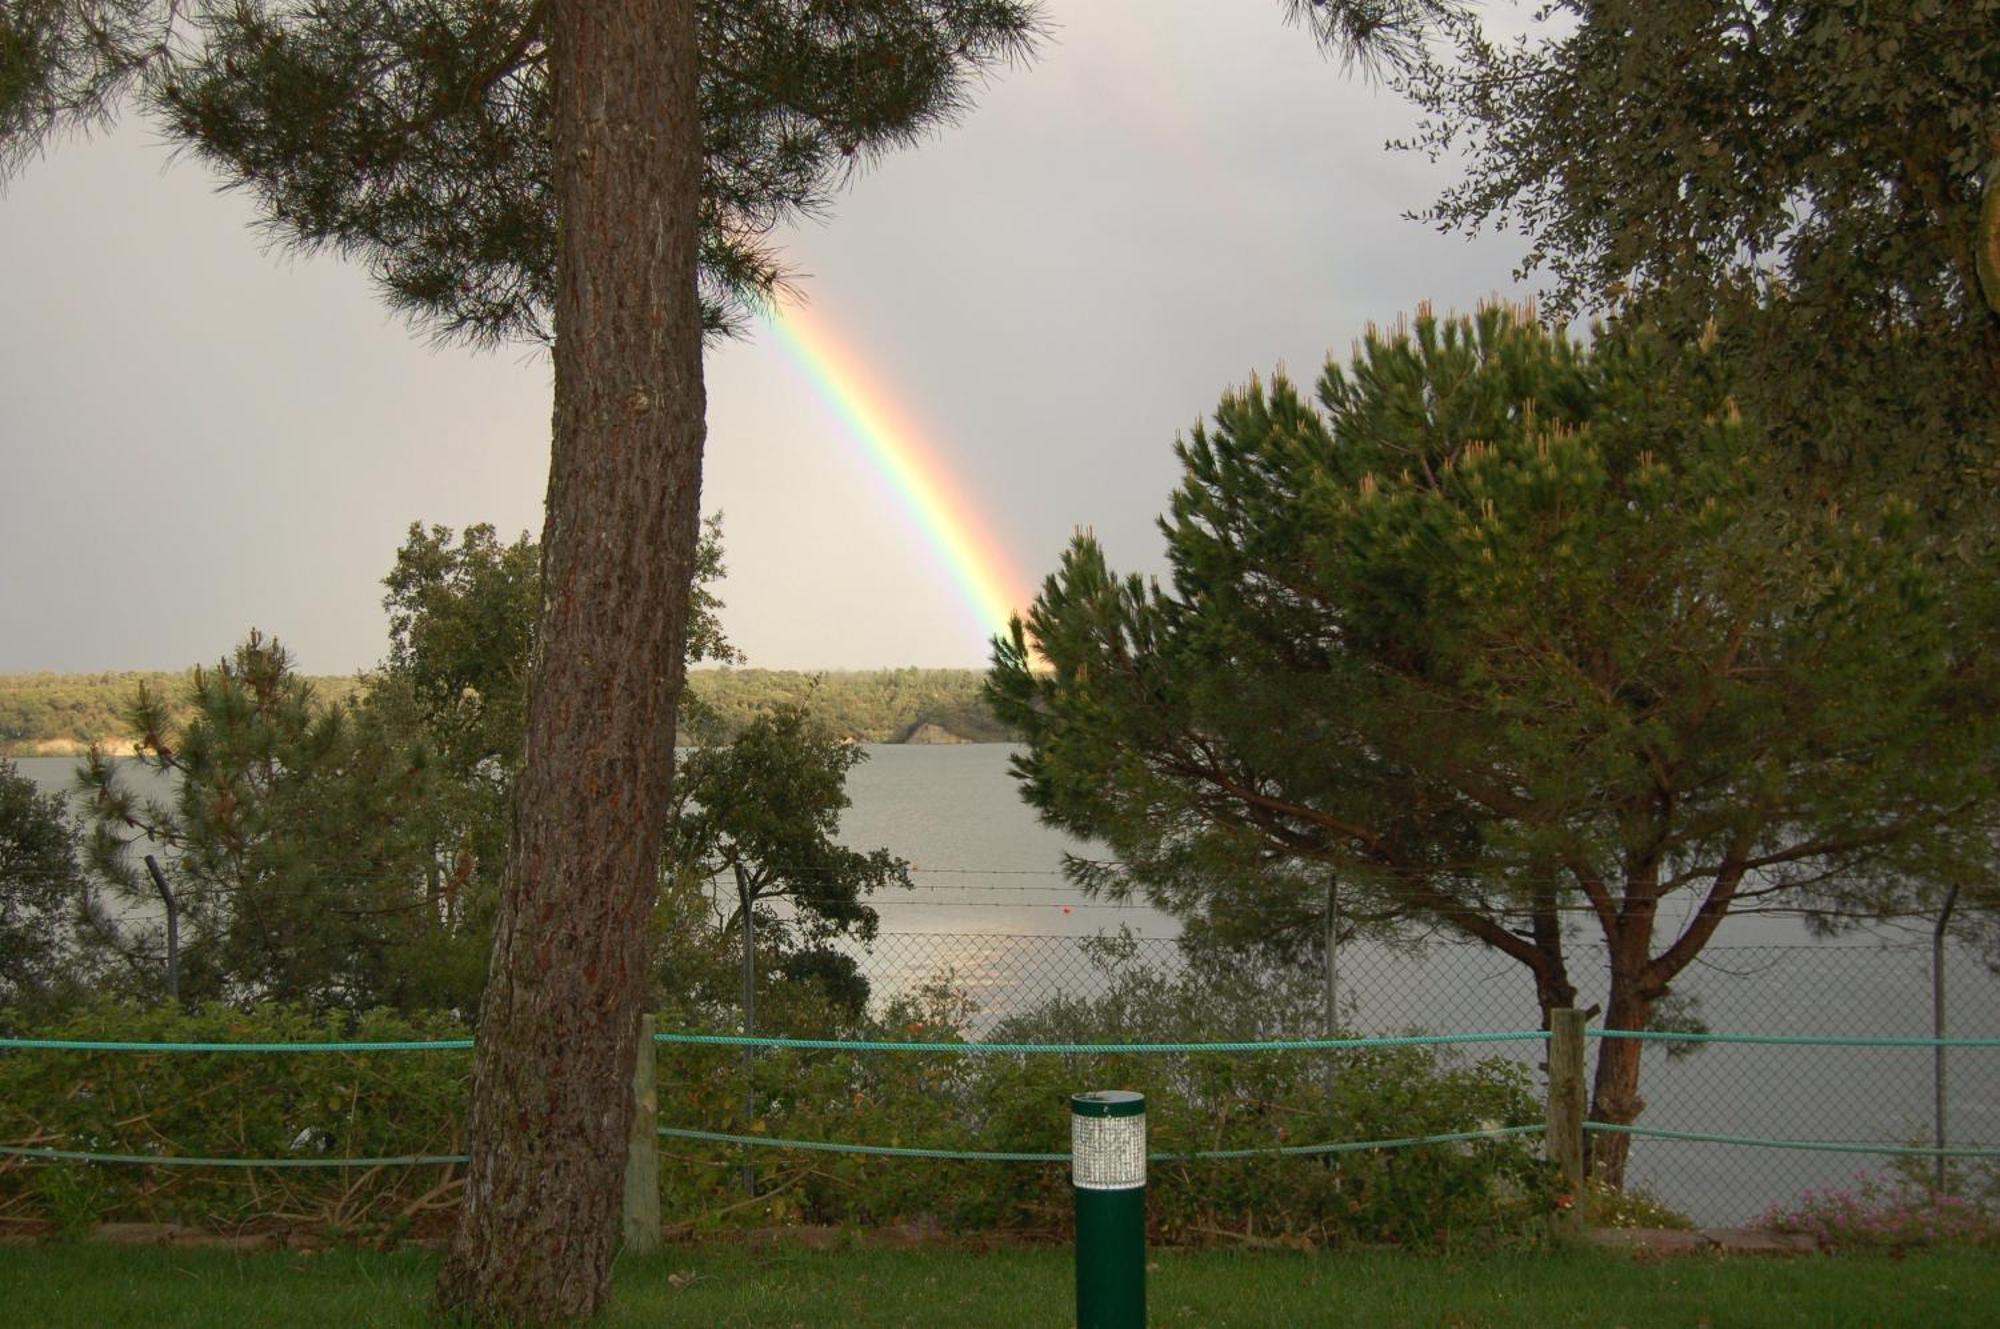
x=996, y=1156
x=94, y=1045
x=176, y=1160
x=1023, y=1049
x=812, y=1146
x=1100, y=1049
x=1816, y=1146
x=1790, y=1040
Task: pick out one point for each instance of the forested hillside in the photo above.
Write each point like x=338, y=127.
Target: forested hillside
x=59, y=714
x=877, y=706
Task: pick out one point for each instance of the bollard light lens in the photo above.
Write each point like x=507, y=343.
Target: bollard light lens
x=1107, y=1140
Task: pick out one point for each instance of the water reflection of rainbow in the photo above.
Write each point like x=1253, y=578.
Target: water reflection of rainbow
x=986, y=577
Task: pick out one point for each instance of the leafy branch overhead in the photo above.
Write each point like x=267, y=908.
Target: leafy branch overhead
x=1825, y=178
x=416, y=137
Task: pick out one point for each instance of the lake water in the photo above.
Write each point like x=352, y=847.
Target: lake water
x=990, y=906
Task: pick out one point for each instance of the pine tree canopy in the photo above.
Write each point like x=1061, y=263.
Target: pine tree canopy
x=1517, y=640
x=1500, y=625
x=415, y=134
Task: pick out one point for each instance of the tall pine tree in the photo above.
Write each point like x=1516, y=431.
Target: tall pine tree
x=600, y=174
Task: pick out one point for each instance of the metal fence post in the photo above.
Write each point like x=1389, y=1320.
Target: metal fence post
x=1566, y=1105
x=173, y=927
x=642, y=1149
x=1332, y=959
x=1107, y=1131
x=747, y=907
x=1941, y=1183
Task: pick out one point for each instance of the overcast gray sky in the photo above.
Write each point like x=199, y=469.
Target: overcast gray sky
x=199, y=436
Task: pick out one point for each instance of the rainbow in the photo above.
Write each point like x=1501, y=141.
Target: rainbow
x=986, y=576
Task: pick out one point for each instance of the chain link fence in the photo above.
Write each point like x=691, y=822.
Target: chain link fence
x=1854, y=1095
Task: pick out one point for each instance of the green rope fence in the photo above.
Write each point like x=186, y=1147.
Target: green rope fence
x=90, y=1045
x=1025, y=1049
x=994, y=1156
x=1101, y=1049
x=177, y=1160
x=1021, y=1049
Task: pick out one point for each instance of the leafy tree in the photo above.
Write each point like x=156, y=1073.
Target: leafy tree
x=462, y=610
x=763, y=811
x=41, y=892
x=1519, y=638
x=758, y=800
x=1823, y=179
x=461, y=631
x=303, y=843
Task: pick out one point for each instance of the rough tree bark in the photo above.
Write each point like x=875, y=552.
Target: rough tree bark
x=559, y=1021
x=1614, y=1090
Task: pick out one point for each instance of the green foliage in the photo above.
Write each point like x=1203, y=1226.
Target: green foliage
x=1632, y=1207
x=764, y=810
x=415, y=136
x=389, y=1104
x=41, y=895
x=461, y=633
x=230, y=1105
x=66, y=62
x=1510, y=634
x=1375, y=34
x=309, y=846
x=878, y=706
x=1506, y=609
x=1811, y=175
x=462, y=621
x=1976, y=1181
x=1477, y=1193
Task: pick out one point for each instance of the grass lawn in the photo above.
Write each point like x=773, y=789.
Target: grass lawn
x=719, y=1287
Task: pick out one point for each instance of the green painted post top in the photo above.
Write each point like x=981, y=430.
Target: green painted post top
x=1108, y=1103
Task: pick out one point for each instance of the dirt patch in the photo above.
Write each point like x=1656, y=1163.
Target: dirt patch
x=1707, y=1241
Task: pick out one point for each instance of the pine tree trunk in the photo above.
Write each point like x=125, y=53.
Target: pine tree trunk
x=1614, y=1095
x=558, y=1025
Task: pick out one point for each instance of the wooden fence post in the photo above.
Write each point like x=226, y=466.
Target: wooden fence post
x=642, y=1151
x=1566, y=1106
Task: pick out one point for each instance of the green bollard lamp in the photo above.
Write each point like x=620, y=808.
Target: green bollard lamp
x=1108, y=1169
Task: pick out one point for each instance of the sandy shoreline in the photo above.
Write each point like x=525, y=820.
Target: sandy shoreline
x=65, y=747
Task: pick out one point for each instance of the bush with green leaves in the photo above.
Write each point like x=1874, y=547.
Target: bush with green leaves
x=41, y=892
x=301, y=1108
x=307, y=1107
x=1488, y=1190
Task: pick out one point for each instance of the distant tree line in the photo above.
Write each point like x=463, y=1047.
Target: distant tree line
x=873, y=706
x=56, y=713
x=52, y=714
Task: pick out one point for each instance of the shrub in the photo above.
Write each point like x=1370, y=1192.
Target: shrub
x=1485, y=1191
x=295, y=1107
x=1889, y=1213
x=1633, y=1207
